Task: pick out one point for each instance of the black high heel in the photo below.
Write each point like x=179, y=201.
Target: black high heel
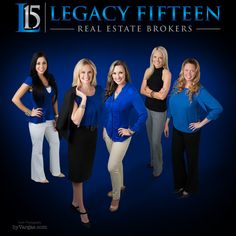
x=86, y=225
x=76, y=208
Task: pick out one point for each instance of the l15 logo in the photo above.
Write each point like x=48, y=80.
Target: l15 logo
x=28, y=18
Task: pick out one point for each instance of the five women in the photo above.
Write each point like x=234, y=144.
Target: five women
x=81, y=109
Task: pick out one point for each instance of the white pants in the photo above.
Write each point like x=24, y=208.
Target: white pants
x=37, y=132
x=117, y=152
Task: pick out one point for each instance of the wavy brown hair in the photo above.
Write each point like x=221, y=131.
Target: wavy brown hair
x=111, y=85
x=195, y=86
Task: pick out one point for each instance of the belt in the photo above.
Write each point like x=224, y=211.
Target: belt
x=89, y=127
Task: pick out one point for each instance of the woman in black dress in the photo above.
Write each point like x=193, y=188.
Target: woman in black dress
x=77, y=123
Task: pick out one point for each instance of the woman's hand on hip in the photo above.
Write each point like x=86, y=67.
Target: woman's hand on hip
x=194, y=126
x=124, y=132
x=37, y=112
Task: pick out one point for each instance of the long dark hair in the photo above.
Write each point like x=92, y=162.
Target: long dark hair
x=37, y=85
x=111, y=85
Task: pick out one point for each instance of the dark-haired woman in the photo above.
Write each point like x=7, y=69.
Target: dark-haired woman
x=41, y=117
x=121, y=98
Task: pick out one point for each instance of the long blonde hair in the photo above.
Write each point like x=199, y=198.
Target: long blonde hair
x=165, y=58
x=195, y=86
x=78, y=68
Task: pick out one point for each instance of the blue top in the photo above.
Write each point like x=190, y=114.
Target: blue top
x=117, y=112
x=185, y=112
x=47, y=107
x=93, y=109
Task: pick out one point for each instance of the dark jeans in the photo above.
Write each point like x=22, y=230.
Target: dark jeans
x=185, y=149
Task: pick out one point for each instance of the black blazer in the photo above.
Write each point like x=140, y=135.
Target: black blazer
x=64, y=123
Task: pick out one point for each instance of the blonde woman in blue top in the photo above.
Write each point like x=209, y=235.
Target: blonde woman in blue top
x=121, y=98
x=187, y=97
x=41, y=116
x=77, y=123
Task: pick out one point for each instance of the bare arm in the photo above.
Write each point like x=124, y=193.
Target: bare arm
x=145, y=90
x=78, y=111
x=166, y=77
x=160, y=95
x=55, y=109
x=166, y=129
x=17, y=101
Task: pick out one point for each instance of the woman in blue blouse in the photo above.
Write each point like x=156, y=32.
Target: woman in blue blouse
x=77, y=123
x=184, y=107
x=43, y=93
x=121, y=97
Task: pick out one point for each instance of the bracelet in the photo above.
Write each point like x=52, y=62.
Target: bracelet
x=151, y=94
x=56, y=116
x=82, y=106
x=28, y=113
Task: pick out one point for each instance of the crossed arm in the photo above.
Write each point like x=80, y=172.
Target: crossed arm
x=162, y=93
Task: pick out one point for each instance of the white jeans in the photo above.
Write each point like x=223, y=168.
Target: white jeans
x=37, y=132
x=117, y=152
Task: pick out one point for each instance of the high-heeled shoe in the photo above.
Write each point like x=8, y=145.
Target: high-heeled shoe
x=178, y=191
x=85, y=224
x=44, y=181
x=61, y=175
x=184, y=194
x=76, y=208
x=114, y=205
x=109, y=194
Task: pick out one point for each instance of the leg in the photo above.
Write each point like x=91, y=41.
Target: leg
x=78, y=201
x=192, y=151
x=115, y=163
x=115, y=168
x=54, y=144
x=108, y=141
x=109, y=144
x=37, y=169
x=157, y=130
x=179, y=170
x=149, y=134
x=121, y=175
